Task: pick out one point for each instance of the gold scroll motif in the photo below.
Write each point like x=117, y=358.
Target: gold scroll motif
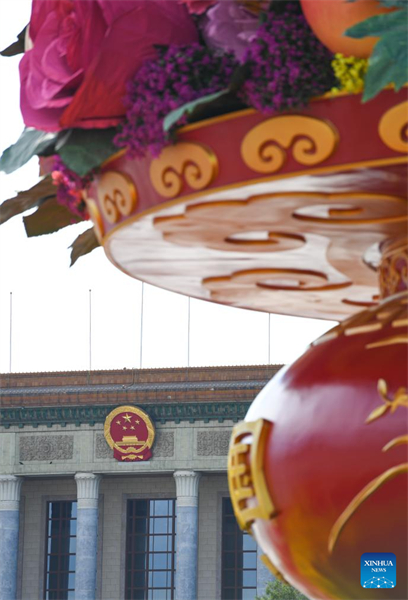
x=312, y=141
x=248, y=490
x=390, y=405
x=393, y=128
x=117, y=195
x=184, y=163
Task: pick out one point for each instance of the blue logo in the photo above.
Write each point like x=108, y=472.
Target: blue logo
x=378, y=570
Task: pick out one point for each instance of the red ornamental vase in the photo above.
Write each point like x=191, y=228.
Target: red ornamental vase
x=329, y=19
x=318, y=471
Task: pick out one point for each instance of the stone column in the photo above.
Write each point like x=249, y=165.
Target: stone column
x=187, y=534
x=10, y=487
x=87, y=535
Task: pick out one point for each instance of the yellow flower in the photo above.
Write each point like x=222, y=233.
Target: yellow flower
x=350, y=72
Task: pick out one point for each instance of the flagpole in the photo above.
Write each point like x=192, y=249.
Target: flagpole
x=188, y=334
x=141, y=328
x=90, y=330
x=11, y=327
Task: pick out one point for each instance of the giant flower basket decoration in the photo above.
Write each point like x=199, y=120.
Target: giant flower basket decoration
x=253, y=154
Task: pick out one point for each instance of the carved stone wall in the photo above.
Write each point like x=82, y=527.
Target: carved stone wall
x=46, y=447
x=102, y=449
x=213, y=443
x=163, y=446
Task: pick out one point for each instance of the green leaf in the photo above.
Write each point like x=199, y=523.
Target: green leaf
x=30, y=143
x=239, y=77
x=16, y=47
x=50, y=217
x=388, y=64
x=84, y=244
x=379, y=25
x=388, y=3
x=207, y=107
x=27, y=199
x=85, y=149
x=278, y=590
x=175, y=115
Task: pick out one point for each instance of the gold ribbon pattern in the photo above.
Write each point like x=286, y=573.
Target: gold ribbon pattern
x=389, y=405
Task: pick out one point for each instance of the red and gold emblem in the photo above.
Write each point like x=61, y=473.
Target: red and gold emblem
x=130, y=433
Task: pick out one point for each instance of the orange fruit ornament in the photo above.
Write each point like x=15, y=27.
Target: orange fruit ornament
x=329, y=19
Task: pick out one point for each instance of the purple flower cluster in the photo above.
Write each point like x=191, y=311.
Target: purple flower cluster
x=287, y=63
x=181, y=74
x=70, y=188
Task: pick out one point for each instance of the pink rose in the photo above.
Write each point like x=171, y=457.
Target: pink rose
x=198, y=7
x=84, y=52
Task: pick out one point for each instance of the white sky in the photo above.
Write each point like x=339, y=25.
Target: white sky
x=50, y=307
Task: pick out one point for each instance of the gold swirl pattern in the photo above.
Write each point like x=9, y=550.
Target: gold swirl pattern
x=117, y=195
x=360, y=208
x=393, y=128
x=185, y=163
x=248, y=490
x=312, y=141
x=289, y=279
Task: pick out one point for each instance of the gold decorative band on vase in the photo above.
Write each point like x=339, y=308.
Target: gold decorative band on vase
x=248, y=489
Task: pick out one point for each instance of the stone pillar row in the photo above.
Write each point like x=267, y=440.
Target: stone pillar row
x=186, y=534
x=10, y=487
x=87, y=534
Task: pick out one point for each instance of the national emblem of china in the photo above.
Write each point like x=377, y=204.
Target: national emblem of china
x=130, y=433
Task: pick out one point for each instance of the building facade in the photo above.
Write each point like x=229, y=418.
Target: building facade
x=78, y=523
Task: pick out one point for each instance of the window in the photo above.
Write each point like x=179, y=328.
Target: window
x=150, y=549
x=60, y=551
x=238, y=563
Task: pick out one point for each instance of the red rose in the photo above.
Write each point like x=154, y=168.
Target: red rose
x=84, y=53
